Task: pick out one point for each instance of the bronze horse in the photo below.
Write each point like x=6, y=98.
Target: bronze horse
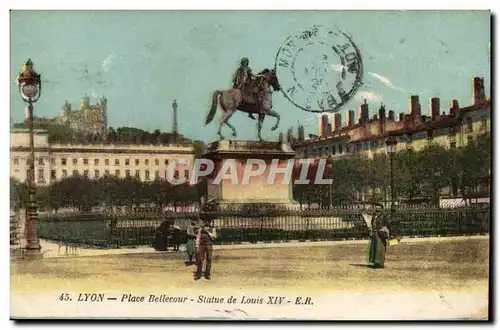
x=236, y=99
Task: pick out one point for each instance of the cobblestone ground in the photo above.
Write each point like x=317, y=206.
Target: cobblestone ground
x=434, y=268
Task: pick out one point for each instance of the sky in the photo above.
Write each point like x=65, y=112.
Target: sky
x=142, y=60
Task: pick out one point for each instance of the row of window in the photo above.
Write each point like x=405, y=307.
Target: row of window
x=97, y=174
x=469, y=122
x=334, y=149
x=373, y=145
x=64, y=161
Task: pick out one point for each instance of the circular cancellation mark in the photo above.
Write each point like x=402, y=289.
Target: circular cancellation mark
x=320, y=70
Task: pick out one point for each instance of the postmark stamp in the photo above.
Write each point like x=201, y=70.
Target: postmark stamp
x=319, y=69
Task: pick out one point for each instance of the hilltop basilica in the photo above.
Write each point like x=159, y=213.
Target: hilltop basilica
x=88, y=119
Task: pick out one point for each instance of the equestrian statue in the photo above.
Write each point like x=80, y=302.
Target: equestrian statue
x=250, y=93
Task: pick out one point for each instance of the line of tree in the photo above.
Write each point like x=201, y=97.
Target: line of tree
x=82, y=194
x=419, y=176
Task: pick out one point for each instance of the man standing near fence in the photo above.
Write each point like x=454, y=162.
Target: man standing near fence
x=204, y=247
x=191, y=238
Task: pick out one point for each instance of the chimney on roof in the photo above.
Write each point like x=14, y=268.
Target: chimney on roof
x=381, y=119
x=381, y=114
x=301, y=133
x=323, y=125
x=406, y=121
x=364, y=117
x=338, y=121
x=434, y=108
x=351, y=118
x=328, y=129
x=375, y=117
x=289, y=135
x=414, y=107
x=478, y=94
x=454, y=107
x=391, y=115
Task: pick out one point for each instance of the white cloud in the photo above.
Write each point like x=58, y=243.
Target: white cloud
x=384, y=80
x=106, y=64
x=369, y=96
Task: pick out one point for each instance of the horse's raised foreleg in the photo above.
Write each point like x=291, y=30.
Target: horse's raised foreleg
x=275, y=115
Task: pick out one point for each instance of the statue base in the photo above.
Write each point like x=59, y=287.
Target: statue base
x=230, y=192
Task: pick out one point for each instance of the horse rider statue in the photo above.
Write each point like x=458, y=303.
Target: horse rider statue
x=243, y=78
x=250, y=94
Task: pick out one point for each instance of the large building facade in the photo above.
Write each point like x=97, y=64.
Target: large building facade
x=413, y=130
x=57, y=161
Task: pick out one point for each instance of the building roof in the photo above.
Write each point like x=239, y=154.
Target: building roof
x=26, y=130
x=443, y=121
x=325, y=138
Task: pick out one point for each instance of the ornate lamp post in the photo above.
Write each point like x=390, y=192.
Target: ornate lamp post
x=30, y=88
x=391, y=144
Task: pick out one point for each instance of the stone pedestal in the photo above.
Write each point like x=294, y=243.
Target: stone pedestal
x=258, y=191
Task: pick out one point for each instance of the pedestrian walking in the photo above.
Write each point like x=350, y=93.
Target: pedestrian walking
x=191, y=238
x=204, y=247
x=380, y=234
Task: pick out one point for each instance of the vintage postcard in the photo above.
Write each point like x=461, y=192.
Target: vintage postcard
x=250, y=165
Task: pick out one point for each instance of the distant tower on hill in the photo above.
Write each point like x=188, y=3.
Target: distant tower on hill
x=175, y=130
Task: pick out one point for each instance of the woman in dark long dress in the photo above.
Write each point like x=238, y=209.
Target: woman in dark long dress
x=379, y=237
x=161, y=236
x=176, y=237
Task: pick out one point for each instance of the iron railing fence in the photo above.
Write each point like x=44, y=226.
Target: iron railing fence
x=238, y=225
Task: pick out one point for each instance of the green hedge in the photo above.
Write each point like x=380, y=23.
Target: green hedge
x=82, y=232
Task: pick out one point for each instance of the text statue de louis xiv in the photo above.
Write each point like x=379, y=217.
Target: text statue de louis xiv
x=307, y=66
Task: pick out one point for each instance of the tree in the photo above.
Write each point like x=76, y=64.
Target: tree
x=78, y=192
x=109, y=189
x=474, y=169
x=408, y=180
x=377, y=175
x=434, y=168
x=112, y=136
x=155, y=137
x=60, y=133
x=199, y=148
x=18, y=194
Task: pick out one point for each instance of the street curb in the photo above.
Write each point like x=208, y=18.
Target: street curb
x=147, y=250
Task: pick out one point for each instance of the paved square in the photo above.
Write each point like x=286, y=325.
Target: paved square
x=452, y=271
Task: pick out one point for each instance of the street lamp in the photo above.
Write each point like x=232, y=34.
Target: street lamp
x=30, y=88
x=391, y=144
